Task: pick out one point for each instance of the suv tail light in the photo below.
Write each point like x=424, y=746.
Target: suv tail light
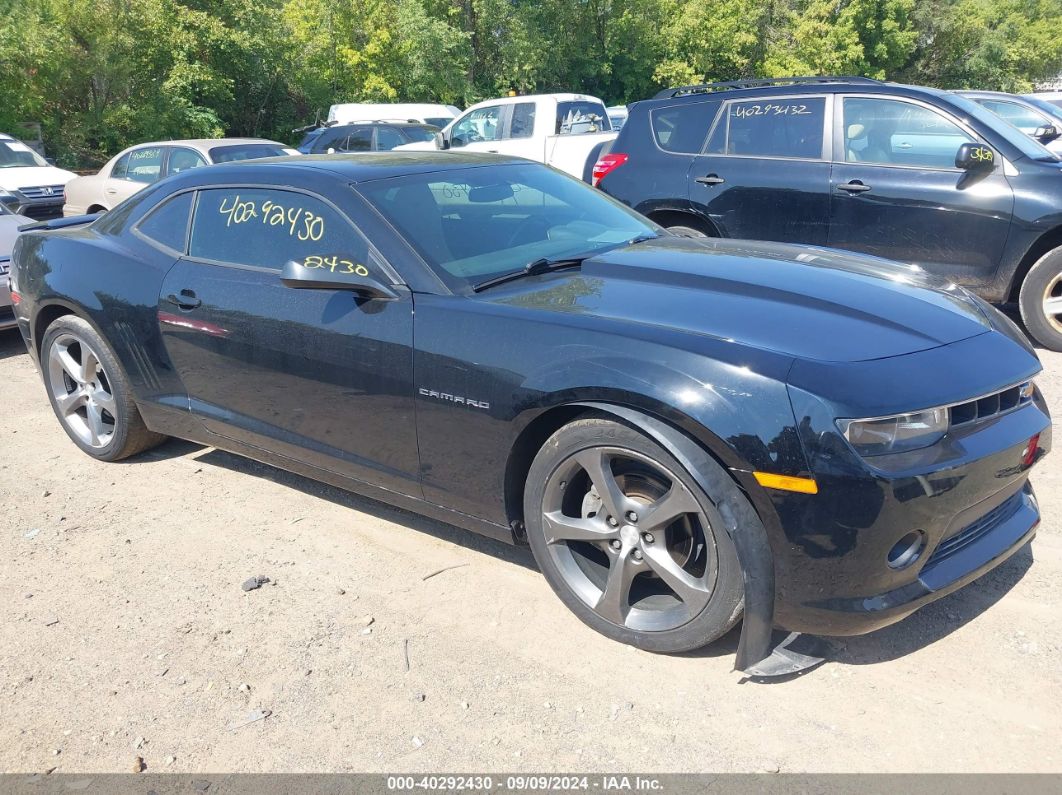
x=606, y=165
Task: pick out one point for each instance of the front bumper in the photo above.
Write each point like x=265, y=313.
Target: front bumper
x=44, y=208
x=7, y=314
x=968, y=497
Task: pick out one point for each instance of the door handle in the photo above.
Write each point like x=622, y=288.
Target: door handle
x=110, y=191
x=186, y=300
x=904, y=145
x=855, y=186
x=493, y=151
x=710, y=179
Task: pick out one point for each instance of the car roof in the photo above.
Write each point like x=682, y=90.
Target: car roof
x=787, y=86
x=356, y=167
x=206, y=144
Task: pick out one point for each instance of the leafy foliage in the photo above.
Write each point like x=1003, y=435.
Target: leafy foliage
x=101, y=74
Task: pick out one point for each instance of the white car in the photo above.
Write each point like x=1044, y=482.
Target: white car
x=9, y=224
x=566, y=131
x=355, y=112
x=617, y=114
x=29, y=184
x=135, y=168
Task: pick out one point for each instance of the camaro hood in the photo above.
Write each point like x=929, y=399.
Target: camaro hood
x=32, y=176
x=806, y=302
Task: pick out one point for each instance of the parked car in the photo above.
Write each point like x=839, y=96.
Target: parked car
x=1036, y=118
x=684, y=431
x=9, y=224
x=1053, y=97
x=29, y=184
x=566, y=131
x=133, y=169
x=422, y=113
x=617, y=116
x=368, y=136
x=912, y=174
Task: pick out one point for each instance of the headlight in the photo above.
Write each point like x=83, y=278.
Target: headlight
x=895, y=434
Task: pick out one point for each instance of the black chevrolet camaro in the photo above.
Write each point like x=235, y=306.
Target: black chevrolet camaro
x=685, y=432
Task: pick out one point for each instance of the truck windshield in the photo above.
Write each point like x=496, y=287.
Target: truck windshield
x=581, y=117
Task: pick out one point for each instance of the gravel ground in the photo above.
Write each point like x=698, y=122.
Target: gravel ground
x=124, y=633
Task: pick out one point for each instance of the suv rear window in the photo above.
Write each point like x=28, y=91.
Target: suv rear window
x=682, y=128
x=776, y=127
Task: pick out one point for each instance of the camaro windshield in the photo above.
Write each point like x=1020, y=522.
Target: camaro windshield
x=475, y=223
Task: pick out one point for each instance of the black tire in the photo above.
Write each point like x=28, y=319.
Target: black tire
x=1043, y=281
x=687, y=231
x=98, y=413
x=695, y=544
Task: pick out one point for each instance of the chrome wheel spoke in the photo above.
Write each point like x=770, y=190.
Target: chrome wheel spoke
x=675, y=503
x=89, y=365
x=61, y=355
x=94, y=421
x=693, y=591
x=71, y=402
x=597, y=464
x=1053, y=306
x=105, y=401
x=560, y=528
x=615, y=600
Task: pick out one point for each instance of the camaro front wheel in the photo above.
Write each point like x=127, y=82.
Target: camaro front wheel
x=628, y=540
x=89, y=392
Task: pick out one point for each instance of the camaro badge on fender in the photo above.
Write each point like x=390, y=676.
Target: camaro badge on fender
x=476, y=404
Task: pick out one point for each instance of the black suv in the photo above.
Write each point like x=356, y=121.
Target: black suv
x=908, y=173
x=368, y=136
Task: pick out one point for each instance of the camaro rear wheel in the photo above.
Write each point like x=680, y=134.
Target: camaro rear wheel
x=628, y=541
x=1040, y=300
x=90, y=394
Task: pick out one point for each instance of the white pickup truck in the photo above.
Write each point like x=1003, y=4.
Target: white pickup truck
x=566, y=131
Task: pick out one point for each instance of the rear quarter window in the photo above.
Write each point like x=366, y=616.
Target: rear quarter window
x=683, y=128
x=167, y=224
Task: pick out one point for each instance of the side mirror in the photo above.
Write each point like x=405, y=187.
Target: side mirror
x=975, y=157
x=333, y=272
x=440, y=141
x=1047, y=133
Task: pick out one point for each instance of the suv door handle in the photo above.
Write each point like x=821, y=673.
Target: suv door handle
x=855, y=186
x=186, y=300
x=710, y=179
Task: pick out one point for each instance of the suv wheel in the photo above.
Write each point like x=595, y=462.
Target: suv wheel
x=1041, y=300
x=628, y=541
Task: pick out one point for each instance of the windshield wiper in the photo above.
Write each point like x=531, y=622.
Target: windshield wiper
x=534, y=268
x=547, y=264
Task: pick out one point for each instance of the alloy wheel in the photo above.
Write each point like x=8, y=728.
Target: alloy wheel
x=629, y=538
x=81, y=390
x=1053, y=302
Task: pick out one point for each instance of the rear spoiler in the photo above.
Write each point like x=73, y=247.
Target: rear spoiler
x=60, y=223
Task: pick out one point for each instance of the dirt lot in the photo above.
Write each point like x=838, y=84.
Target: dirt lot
x=124, y=632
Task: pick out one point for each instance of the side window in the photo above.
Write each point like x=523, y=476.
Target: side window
x=183, y=159
x=581, y=117
x=683, y=128
x=167, y=224
x=899, y=133
x=387, y=138
x=121, y=167
x=776, y=127
x=1025, y=119
x=482, y=124
x=265, y=228
x=522, y=124
x=359, y=140
x=145, y=165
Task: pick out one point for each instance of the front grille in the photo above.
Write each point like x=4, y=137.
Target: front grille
x=967, y=535
x=990, y=405
x=43, y=192
x=5, y=266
